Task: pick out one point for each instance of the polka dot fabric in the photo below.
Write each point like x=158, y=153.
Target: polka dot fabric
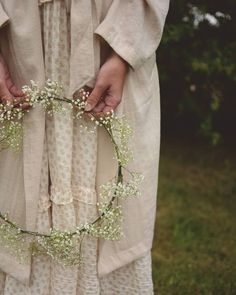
x=67, y=194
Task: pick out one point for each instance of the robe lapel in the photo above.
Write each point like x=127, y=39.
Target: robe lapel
x=85, y=53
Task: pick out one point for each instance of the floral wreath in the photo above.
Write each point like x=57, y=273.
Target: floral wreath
x=65, y=246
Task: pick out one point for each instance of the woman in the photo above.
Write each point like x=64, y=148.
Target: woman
x=110, y=46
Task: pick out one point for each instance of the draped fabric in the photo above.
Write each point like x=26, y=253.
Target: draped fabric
x=67, y=189
x=133, y=29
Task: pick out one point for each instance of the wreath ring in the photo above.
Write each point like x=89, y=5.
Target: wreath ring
x=66, y=246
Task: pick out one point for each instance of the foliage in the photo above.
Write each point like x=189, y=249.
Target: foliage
x=194, y=249
x=197, y=63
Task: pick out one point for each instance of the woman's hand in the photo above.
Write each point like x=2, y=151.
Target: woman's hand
x=108, y=89
x=9, y=93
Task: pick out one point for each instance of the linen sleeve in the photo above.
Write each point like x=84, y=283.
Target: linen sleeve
x=3, y=16
x=133, y=28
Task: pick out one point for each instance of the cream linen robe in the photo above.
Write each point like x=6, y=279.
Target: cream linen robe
x=133, y=29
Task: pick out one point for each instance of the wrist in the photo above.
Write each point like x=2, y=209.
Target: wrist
x=119, y=58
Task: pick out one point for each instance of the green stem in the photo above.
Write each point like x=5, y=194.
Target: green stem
x=13, y=225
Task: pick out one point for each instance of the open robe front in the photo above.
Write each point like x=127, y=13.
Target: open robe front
x=133, y=29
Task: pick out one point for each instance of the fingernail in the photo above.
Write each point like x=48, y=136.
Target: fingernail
x=88, y=107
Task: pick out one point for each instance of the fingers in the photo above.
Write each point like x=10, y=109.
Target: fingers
x=12, y=88
x=9, y=93
x=107, y=109
x=16, y=92
x=19, y=96
x=112, y=100
x=25, y=106
x=99, y=107
x=5, y=95
x=108, y=104
x=19, y=102
x=95, y=96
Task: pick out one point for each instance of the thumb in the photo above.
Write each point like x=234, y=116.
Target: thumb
x=5, y=95
x=95, y=96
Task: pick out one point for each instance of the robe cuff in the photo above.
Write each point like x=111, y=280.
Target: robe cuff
x=3, y=17
x=120, y=46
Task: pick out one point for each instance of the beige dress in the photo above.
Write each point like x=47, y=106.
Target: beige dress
x=69, y=198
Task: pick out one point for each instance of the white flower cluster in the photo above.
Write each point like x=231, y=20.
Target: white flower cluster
x=10, y=126
x=13, y=239
x=10, y=135
x=108, y=225
x=121, y=131
x=50, y=98
x=63, y=247
x=79, y=103
x=8, y=112
x=122, y=189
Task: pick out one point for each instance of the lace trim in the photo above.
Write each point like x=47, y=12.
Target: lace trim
x=61, y=196
x=44, y=203
x=76, y=193
x=85, y=195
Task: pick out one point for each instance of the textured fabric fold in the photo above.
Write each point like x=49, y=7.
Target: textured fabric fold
x=44, y=203
x=4, y=18
x=61, y=196
x=81, y=30
x=117, y=29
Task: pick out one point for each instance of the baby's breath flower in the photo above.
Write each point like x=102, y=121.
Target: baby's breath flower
x=10, y=135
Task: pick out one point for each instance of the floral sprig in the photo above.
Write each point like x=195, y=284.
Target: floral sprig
x=65, y=246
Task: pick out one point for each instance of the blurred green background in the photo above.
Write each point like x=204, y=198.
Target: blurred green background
x=194, y=251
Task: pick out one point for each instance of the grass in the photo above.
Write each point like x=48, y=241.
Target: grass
x=194, y=250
